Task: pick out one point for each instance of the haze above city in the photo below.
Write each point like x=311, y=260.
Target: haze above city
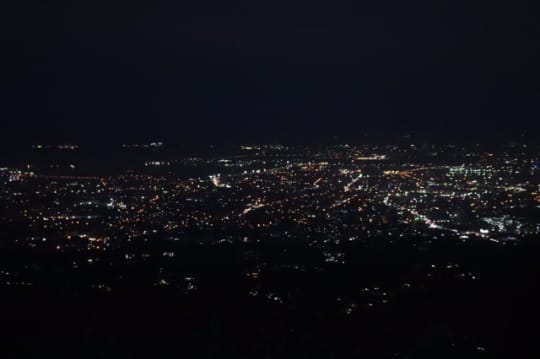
x=217, y=72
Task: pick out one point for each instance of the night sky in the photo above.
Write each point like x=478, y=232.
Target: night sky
x=196, y=71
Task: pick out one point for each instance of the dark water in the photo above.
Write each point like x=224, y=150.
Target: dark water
x=105, y=161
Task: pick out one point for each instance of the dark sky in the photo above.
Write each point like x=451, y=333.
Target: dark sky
x=263, y=71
